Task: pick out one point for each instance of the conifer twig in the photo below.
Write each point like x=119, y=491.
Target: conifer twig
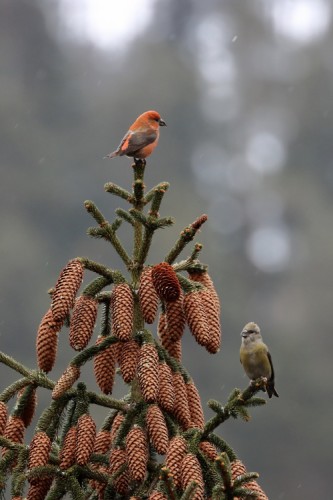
x=112, y=188
x=185, y=237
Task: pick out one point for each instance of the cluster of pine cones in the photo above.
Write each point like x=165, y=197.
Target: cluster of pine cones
x=170, y=398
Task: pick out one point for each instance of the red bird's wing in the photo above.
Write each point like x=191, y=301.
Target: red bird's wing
x=134, y=141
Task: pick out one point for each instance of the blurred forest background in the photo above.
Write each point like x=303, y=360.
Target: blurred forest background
x=246, y=88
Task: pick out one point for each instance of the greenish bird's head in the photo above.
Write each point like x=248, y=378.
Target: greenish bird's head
x=250, y=333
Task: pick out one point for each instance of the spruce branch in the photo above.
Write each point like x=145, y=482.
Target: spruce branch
x=170, y=487
x=112, y=188
x=160, y=188
x=185, y=237
x=95, y=212
x=236, y=406
x=189, y=493
x=108, y=233
x=97, y=268
x=125, y=215
x=157, y=198
x=13, y=389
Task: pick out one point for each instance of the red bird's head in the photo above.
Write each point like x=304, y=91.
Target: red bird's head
x=154, y=118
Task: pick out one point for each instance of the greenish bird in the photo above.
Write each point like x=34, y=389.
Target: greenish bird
x=255, y=357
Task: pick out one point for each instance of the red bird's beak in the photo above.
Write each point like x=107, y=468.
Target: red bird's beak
x=162, y=123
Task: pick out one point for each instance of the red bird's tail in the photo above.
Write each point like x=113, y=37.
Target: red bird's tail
x=111, y=155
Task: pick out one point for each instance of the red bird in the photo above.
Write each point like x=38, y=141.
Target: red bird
x=141, y=138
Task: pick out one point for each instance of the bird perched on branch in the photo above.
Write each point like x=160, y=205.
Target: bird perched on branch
x=142, y=137
x=255, y=357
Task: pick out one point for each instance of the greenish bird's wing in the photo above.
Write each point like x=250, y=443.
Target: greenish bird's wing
x=271, y=363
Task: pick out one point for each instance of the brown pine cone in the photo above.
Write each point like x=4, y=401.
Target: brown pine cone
x=82, y=322
x=118, y=459
x=157, y=495
x=174, y=348
x=181, y=409
x=67, y=452
x=148, y=372
x=165, y=282
x=102, y=442
x=174, y=458
x=39, y=452
x=3, y=417
x=29, y=409
x=194, y=403
x=238, y=469
x=67, y=379
x=14, y=430
x=66, y=288
x=117, y=421
x=175, y=318
x=47, y=341
x=129, y=358
x=98, y=486
x=39, y=490
x=105, y=366
x=148, y=297
x=208, y=449
x=213, y=318
x=157, y=429
x=204, y=278
x=196, y=317
x=137, y=453
x=166, y=395
x=122, y=308
x=191, y=471
x=85, y=438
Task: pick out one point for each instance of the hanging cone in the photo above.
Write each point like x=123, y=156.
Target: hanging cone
x=14, y=430
x=67, y=452
x=82, y=322
x=67, y=379
x=213, y=318
x=105, y=366
x=196, y=317
x=166, y=282
x=40, y=490
x=122, y=307
x=129, y=358
x=3, y=417
x=66, y=288
x=102, y=442
x=148, y=372
x=47, y=341
x=148, y=297
x=238, y=469
x=191, y=471
x=137, y=453
x=174, y=458
x=166, y=395
x=118, y=459
x=29, y=409
x=157, y=495
x=117, y=421
x=181, y=409
x=195, y=406
x=175, y=318
x=204, y=278
x=39, y=452
x=157, y=429
x=174, y=348
x=208, y=449
x=99, y=486
x=85, y=438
